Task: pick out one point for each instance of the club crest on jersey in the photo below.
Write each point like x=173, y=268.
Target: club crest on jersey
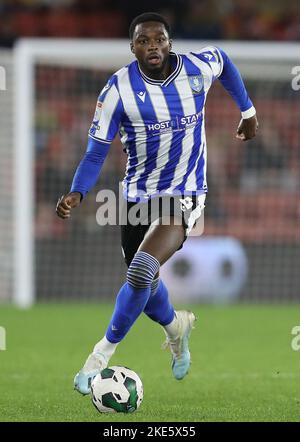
x=196, y=83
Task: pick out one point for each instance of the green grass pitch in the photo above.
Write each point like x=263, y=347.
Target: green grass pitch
x=243, y=366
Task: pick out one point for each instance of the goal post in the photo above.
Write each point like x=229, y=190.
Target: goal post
x=259, y=61
x=27, y=53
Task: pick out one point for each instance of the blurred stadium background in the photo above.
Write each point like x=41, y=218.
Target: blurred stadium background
x=252, y=230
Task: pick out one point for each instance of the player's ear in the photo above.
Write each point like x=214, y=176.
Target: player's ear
x=132, y=48
x=170, y=45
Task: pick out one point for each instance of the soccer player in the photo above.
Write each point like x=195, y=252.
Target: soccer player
x=156, y=103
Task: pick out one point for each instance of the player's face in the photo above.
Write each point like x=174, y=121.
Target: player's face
x=151, y=46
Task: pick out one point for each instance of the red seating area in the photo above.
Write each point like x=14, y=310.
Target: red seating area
x=63, y=23
x=192, y=19
x=263, y=216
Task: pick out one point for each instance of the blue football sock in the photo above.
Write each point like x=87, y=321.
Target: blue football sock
x=158, y=307
x=133, y=295
x=129, y=305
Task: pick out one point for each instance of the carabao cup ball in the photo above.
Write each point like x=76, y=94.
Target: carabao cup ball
x=117, y=390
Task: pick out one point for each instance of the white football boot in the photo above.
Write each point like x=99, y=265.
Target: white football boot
x=178, y=345
x=95, y=363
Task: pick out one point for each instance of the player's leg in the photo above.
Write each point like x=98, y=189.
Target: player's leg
x=177, y=325
x=158, y=307
x=130, y=303
x=131, y=299
x=142, y=270
x=162, y=243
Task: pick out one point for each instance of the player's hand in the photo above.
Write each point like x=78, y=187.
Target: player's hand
x=66, y=203
x=247, y=128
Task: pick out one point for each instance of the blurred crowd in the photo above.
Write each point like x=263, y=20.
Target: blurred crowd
x=190, y=19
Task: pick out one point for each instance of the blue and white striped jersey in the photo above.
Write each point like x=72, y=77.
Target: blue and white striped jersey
x=161, y=123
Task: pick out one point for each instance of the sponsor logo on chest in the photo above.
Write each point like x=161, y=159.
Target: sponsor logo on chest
x=175, y=124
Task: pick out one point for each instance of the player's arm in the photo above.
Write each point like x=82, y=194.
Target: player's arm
x=105, y=125
x=222, y=68
x=85, y=177
x=232, y=81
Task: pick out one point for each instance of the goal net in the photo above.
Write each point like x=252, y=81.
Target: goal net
x=253, y=187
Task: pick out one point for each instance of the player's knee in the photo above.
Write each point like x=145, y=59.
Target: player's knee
x=142, y=270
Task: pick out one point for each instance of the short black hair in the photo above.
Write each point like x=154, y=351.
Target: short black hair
x=148, y=16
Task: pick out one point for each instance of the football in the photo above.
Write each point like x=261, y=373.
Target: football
x=117, y=390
